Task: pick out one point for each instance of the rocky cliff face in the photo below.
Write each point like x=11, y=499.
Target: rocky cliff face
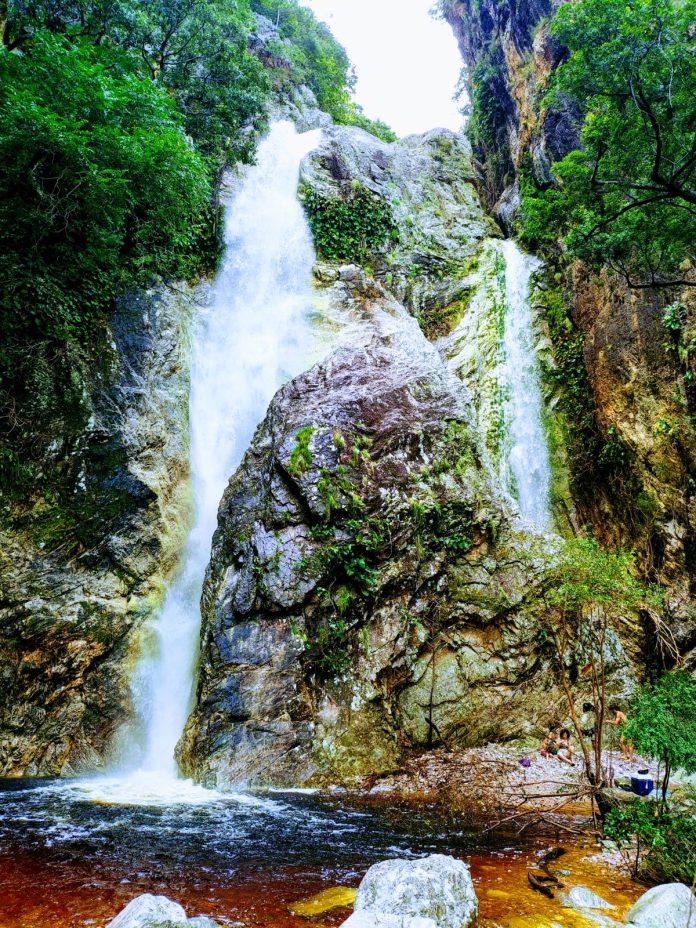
x=371, y=588
x=80, y=571
x=621, y=379
x=368, y=590
x=509, y=54
x=424, y=223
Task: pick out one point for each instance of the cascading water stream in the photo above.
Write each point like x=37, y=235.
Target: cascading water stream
x=255, y=334
x=524, y=461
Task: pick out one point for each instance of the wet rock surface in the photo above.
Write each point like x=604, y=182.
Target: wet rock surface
x=509, y=49
x=81, y=572
x=636, y=490
x=368, y=590
x=426, y=182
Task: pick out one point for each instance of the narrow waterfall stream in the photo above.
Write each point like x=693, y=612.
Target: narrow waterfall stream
x=524, y=461
x=255, y=334
x=493, y=350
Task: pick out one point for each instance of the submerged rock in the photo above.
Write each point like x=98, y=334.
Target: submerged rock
x=580, y=897
x=672, y=905
x=335, y=897
x=436, y=890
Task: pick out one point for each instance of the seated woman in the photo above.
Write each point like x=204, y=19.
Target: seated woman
x=565, y=750
x=549, y=746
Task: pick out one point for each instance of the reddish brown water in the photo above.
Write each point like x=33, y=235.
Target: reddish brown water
x=66, y=863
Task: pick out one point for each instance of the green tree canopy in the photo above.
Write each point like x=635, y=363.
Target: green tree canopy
x=628, y=196
x=320, y=62
x=98, y=184
x=198, y=48
x=662, y=723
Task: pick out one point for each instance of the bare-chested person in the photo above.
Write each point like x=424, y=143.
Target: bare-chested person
x=619, y=719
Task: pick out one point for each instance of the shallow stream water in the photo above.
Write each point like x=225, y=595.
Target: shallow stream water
x=68, y=860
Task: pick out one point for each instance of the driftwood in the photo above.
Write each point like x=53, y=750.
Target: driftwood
x=536, y=883
x=542, y=876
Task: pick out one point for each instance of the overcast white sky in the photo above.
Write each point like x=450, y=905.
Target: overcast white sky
x=407, y=62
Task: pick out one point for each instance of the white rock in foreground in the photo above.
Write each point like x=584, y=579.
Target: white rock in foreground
x=148, y=911
x=671, y=905
x=375, y=920
x=434, y=892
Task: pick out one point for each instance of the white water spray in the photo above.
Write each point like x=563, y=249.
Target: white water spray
x=254, y=336
x=524, y=461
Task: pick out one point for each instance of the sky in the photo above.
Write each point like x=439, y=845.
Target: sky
x=407, y=63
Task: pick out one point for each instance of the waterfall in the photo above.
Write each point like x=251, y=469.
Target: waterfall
x=254, y=335
x=524, y=458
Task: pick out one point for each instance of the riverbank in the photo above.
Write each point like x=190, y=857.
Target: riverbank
x=493, y=780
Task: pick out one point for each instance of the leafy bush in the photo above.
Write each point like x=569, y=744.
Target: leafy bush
x=660, y=844
x=663, y=723
x=584, y=576
x=660, y=835
x=352, y=229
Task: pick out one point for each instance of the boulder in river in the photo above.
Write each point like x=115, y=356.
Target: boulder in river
x=672, y=905
x=580, y=897
x=434, y=892
x=148, y=911
x=374, y=920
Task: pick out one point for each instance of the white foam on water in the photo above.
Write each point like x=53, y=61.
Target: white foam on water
x=153, y=790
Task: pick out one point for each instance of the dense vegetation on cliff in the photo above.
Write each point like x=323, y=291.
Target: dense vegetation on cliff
x=115, y=122
x=627, y=196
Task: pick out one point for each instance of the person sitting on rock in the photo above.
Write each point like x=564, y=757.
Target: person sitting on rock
x=565, y=750
x=621, y=718
x=549, y=744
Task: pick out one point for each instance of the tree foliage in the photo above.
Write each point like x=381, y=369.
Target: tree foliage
x=628, y=196
x=660, y=843
x=196, y=48
x=662, y=834
x=663, y=722
x=116, y=118
x=98, y=186
x=319, y=61
x=583, y=576
x=587, y=593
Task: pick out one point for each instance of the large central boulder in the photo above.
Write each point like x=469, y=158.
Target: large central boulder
x=367, y=590
x=434, y=892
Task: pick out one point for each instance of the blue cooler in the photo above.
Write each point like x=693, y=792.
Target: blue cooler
x=642, y=784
